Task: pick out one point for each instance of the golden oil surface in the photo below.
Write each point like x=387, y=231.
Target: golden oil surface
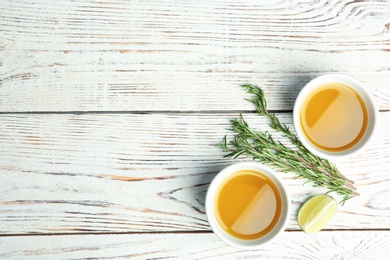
x=334, y=117
x=248, y=205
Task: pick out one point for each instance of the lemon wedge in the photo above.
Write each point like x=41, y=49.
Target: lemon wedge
x=316, y=213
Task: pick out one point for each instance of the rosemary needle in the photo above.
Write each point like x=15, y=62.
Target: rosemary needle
x=261, y=146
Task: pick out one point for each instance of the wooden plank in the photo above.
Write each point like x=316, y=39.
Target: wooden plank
x=146, y=172
x=174, y=55
x=291, y=245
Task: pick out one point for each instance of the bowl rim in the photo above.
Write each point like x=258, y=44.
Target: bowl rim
x=365, y=95
x=242, y=243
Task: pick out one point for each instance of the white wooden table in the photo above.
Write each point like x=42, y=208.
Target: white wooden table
x=110, y=112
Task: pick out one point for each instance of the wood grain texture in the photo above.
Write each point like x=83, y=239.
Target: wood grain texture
x=135, y=172
x=290, y=245
x=159, y=81
x=180, y=55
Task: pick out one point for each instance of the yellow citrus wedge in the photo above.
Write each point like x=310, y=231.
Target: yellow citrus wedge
x=316, y=213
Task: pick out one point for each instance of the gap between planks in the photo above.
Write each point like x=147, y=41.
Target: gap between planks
x=177, y=232
x=141, y=112
x=206, y=112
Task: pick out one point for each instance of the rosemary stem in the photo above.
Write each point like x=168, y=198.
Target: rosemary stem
x=262, y=147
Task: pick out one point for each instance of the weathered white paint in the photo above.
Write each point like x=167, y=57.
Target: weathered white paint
x=88, y=174
x=180, y=55
x=126, y=172
x=290, y=245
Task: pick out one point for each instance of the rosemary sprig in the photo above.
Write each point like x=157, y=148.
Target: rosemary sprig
x=262, y=147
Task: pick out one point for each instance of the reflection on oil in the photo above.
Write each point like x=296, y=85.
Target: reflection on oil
x=258, y=214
